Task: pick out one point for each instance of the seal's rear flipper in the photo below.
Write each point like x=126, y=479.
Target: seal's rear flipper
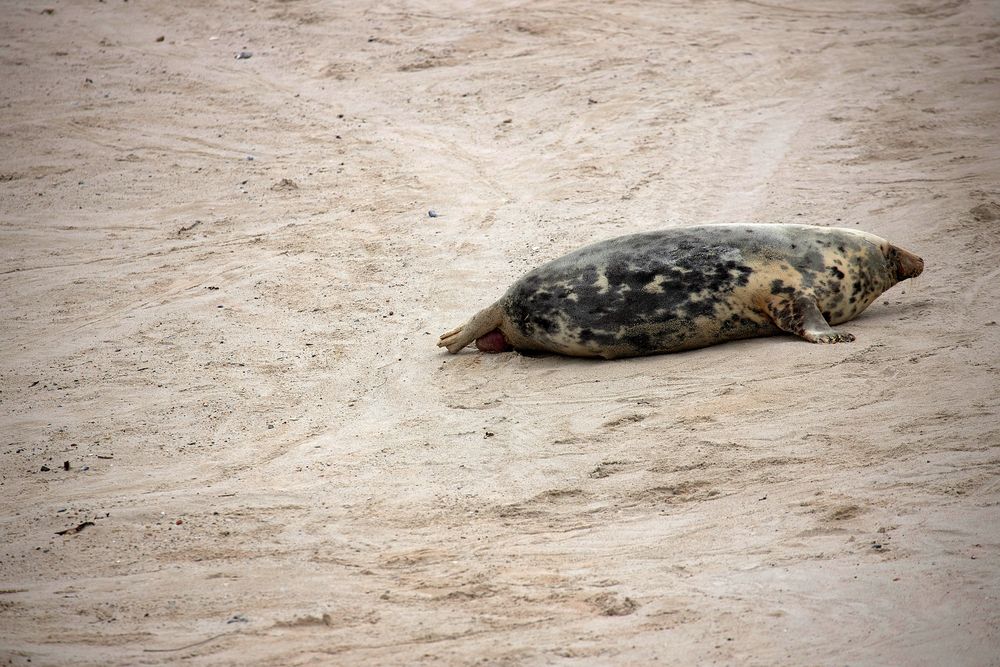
x=482, y=323
x=799, y=314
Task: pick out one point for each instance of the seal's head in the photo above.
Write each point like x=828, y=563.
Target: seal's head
x=902, y=263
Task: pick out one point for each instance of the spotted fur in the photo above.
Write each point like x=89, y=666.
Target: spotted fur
x=685, y=288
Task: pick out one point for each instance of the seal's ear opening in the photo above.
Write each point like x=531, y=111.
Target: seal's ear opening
x=907, y=264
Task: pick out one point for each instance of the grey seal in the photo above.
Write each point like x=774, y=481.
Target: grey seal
x=690, y=287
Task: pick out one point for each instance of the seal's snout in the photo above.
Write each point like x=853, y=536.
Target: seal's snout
x=908, y=265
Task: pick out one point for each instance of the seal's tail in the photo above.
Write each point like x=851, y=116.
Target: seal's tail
x=483, y=322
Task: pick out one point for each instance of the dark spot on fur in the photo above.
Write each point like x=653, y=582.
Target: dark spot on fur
x=703, y=308
x=810, y=263
x=778, y=287
x=639, y=341
x=837, y=272
x=544, y=323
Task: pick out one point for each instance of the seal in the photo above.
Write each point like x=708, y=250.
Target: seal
x=690, y=287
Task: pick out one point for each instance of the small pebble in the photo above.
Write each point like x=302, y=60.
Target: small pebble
x=243, y=55
x=432, y=213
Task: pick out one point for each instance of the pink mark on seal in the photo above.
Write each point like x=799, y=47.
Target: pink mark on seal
x=493, y=342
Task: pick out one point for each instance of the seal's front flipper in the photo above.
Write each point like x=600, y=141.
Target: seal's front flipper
x=799, y=314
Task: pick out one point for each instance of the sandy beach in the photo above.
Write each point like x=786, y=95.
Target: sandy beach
x=228, y=437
